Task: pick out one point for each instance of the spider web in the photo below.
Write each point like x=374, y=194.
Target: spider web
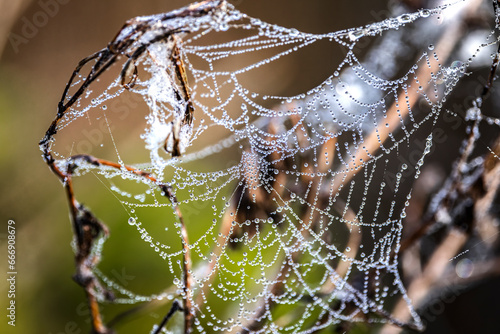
x=287, y=211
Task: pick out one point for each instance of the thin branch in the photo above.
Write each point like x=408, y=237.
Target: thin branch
x=175, y=307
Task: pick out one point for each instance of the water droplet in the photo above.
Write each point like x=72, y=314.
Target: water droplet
x=425, y=13
x=464, y=268
x=355, y=35
x=223, y=26
x=405, y=18
x=457, y=64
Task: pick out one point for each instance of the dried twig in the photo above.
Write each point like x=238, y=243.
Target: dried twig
x=73, y=164
x=130, y=42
